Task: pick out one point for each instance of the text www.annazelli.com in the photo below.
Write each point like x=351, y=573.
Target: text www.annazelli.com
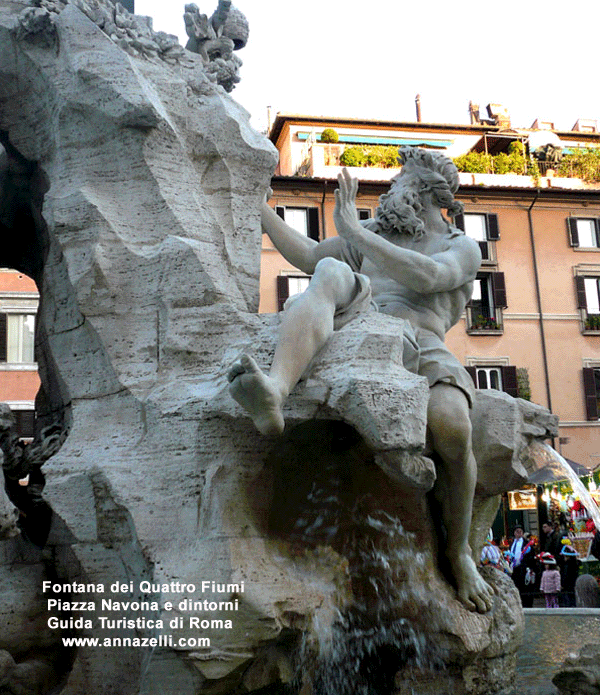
x=161, y=641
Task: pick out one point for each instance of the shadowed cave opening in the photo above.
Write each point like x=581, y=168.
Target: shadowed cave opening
x=25, y=246
x=329, y=500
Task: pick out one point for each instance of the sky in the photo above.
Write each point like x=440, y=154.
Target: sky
x=370, y=59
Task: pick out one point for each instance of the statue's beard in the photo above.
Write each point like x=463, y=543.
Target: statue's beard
x=398, y=212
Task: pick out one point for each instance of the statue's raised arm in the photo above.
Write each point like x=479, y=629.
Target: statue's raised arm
x=298, y=249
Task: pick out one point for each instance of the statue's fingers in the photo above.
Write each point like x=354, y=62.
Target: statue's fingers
x=343, y=187
x=352, y=184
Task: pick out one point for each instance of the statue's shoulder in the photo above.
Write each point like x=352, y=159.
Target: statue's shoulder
x=460, y=238
x=464, y=244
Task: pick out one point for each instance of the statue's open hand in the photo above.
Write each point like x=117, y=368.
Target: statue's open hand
x=345, y=215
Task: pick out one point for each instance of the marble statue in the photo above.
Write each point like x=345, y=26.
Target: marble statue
x=216, y=39
x=414, y=265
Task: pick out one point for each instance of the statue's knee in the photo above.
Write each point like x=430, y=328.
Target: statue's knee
x=331, y=274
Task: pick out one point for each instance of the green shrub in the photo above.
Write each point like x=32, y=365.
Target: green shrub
x=329, y=135
x=516, y=147
x=353, y=157
x=474, y=163
x=592, y=322
x=513, y=162
x=503, y=164
x=523, y=385
x=583, y=164
x=382, y=156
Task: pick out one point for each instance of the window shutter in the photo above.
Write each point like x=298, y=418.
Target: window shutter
x=510, y=384
x=25, y=422
x=313, y=223
x=597, y=226
x=493, y=231
x=483, y=247
x=283, y=291
x=3, y=338
x=573, y=234
x=459, y=221
x=280, y=210
x=581, y=298
x=589, y=388
x=499, y=290
x=473, y=373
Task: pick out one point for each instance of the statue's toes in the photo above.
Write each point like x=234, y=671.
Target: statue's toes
x=249, y=364
x=234, y=371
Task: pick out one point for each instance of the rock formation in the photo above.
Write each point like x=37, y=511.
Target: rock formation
x=134, y=182
x=580, y=673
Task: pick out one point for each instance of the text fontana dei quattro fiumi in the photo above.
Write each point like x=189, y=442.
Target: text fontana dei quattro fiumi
x=64, y=600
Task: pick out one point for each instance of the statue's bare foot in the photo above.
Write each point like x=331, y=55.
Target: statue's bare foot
x=473, y=592
x=258, y=394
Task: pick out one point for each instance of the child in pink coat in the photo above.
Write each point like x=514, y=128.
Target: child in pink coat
x=550, y=583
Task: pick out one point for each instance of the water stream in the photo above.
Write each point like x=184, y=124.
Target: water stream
x=579, y=488
x=369, y=643
x=382, y=621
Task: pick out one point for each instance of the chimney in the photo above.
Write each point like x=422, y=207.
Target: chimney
x=418, y=107
x=585, y=125
x=541, y=124
x=499, y=114
x=474, y=113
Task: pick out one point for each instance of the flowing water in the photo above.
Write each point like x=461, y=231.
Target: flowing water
x=579, y=489
x=368, y=643
x=370, y=638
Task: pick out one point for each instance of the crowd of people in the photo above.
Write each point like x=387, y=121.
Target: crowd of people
x=547, y=568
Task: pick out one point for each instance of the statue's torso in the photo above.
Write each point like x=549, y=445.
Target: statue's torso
x=436, y=312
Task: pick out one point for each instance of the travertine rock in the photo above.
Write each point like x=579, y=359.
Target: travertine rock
x=580, y=674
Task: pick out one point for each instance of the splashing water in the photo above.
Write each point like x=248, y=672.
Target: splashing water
x=579, y=488
x=371, y=634
x=368, y=643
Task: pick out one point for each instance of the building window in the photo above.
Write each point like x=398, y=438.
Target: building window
x=591, y=388
x=484, y=311
x=498, y=377
x=303, y=220
x=364, y=213
x=288, y=286
x=584, y=232
x=588, y=301
x=17, y=333
x=483, y=228
x=489, y=378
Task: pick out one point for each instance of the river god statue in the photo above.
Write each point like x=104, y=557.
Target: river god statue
x=413, y=264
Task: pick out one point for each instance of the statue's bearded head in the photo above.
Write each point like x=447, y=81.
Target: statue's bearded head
x=423, y=171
